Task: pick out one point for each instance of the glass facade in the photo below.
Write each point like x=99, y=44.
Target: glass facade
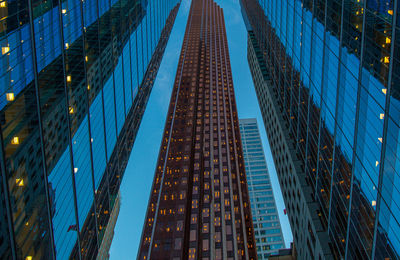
x=267, y=227
x=74, y=80
x=328, y=72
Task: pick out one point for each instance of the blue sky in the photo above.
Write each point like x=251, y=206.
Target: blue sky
x=136, y=185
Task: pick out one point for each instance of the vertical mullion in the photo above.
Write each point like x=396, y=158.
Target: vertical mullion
x=356, y=128
x=385, y=129
x=88, y=117
x=69, y=127
x=35, y=72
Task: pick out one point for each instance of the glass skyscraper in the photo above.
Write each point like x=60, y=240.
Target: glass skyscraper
x=75, y=77
x=267, y=227
x=327, y=77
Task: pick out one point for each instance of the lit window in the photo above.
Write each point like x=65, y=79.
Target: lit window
x=373, y=203
x=381, y=116
x=376, y=163
x=384, y=90
x=69, y=78
x=5, y=49
x=388, y=40
x=380, y=139
x=28, y=258
x=386, y=59
x=75, y=170
x=15, y=140
x=390, y=12
x=71, y=110
x=19, y=182
x=10, y=96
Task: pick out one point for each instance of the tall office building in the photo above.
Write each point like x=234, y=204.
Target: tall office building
x=267, y=228
x=327, y=76
x=199, y=205
x=75, y=77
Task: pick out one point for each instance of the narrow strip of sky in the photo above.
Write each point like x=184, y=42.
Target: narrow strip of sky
x=135, y=188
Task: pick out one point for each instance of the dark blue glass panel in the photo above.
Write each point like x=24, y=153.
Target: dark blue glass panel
x=127, y=78
x=109, y=110
x=98, y=142
x=61, y=194
x=119, y=94
x=82, y=170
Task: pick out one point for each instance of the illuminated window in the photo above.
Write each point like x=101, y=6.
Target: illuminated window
x=10, y=96
x=386, y=59
x=19, y=182
x=75, y=170
x=373, y=203
x=381, y=116
x=5, y=49
x=384, y=90
x=69, y=78
x=15, y=140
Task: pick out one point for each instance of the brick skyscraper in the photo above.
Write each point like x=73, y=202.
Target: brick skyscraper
x=199, y=204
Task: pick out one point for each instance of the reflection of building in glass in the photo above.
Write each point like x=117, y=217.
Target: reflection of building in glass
x=267, y=228
x=75, y=78
x=327, y=79
x=104, y=249
x=199, y=206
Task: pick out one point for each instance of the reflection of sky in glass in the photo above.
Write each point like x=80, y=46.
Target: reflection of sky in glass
x=117, y=89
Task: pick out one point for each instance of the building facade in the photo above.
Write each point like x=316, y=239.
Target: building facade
x=75, y=78
x=267, y=227
x=199, y=204
x=326, y=75
x=104, y=249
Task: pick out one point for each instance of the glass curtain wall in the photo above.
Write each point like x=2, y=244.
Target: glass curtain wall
x=71, y=73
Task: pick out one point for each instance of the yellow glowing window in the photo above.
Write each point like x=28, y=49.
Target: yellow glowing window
x=5, y=50
x=71, y=110
x=86, y=58
x=386, y=59
x=373, y=203
x=390, y=12
x=376, y=163
x=10, y=96
x=69, y=78
x=19, y=182
x=388, y=40
x=3, y=4
x=381, y=116
x=15, y=140
x=380, y=139
x=384, y=90
x=28, y=258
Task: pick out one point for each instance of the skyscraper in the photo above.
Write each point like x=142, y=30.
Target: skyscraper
x=267, y=227
x=75, y=77
x=326, y=75
x=199, y=205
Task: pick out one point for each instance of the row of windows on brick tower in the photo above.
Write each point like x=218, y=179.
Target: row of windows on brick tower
x=326, y=75
x=199, y=205
x=75, y=78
